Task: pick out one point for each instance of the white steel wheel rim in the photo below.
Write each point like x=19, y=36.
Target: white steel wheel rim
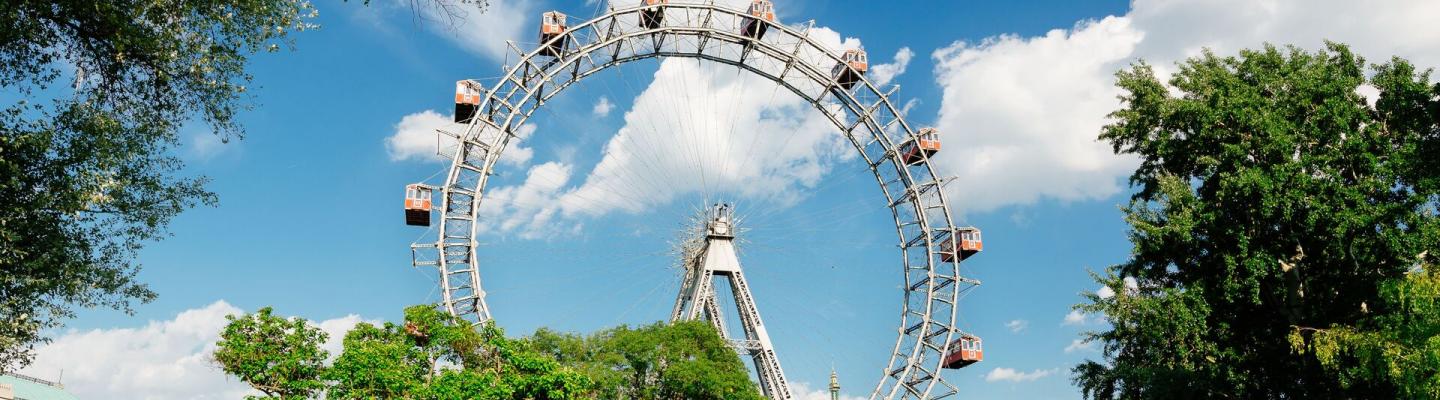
x=787, y=57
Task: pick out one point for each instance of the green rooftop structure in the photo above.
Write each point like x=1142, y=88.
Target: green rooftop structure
x=20, y=387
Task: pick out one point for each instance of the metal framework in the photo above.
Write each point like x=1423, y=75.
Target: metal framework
x=713, y=256
x=786, y=55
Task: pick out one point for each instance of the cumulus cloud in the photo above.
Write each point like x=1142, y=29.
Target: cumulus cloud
x=162, y=360
x=1079, y=345
x=603, y=107
x=1017, y=326
x=416, y=138
x=704, y=128
x=483, y=33
x=1078, y=318
x=528, y=208
x=883, y=74
x=1131, y=286
x=697, y=128
x=336, y=329
x=1018, y=139
x=1026, y=111
x=1011, y=375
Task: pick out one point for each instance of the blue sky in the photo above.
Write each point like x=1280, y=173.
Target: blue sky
x=310, y=220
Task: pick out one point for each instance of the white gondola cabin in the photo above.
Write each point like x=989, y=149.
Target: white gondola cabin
x=852, y=66
x=467, y=100
x=967, y=245
x=417, y=204
x=552, y=25
x=753, y=27
x=966, y=350
x=654, y=13
x=925, y=144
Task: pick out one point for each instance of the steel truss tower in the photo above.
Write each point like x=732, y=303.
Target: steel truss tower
x=712, y=257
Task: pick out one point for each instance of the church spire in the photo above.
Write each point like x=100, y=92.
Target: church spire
x=834, y=385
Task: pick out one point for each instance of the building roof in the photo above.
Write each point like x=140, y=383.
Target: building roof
x=28, y=388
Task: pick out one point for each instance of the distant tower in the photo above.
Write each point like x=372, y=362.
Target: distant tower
x=834, y=385
x=714, y=256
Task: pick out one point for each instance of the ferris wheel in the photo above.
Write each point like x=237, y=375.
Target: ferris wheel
x=898, y=155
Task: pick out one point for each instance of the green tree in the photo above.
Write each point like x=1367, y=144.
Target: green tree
x=377, y=362
x=415, y=360
x=1272, y=199
x=685, y=360
x=1399, y=344
x=281, y=358
x=87, y=168
x=432, y=355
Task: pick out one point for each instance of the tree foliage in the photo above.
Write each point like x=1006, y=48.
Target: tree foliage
x=436, y=356
x=1273, y=200
x=685, y=360
x=432, y=355
x=279, y=357
x=87, y=167
x=1400, y=344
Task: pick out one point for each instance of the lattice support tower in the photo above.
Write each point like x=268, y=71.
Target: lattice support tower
x=714, y=257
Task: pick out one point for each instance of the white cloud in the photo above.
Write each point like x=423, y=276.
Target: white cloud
x=1027, y=111
x=882, y=74
x=734, y=4
x=204, y=146
x=516, y=154
x=162, y=360
x=415, y=138
x=336, y=328
x=1177, y=29
x=1131, y=286
x=803, y=391
x=1011, y=375
x=1078, y=318
x=528, y=209
x=703, y=128
x=603, y=107
x=1017, y=326
x=1079, y=345
x=1019, y=139
x=482, y=33
x=697, y=128
x=1370, y=92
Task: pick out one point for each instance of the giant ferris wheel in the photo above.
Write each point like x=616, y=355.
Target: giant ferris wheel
x=897, y=154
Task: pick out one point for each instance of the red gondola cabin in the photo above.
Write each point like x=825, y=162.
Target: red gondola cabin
x=654, y=13
x=852, y=66
x=467, y=100
x=925, y=144
x=552, y=25
x=417, y=205
x=753, y=27
x=968, y=245
x=964, y=351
